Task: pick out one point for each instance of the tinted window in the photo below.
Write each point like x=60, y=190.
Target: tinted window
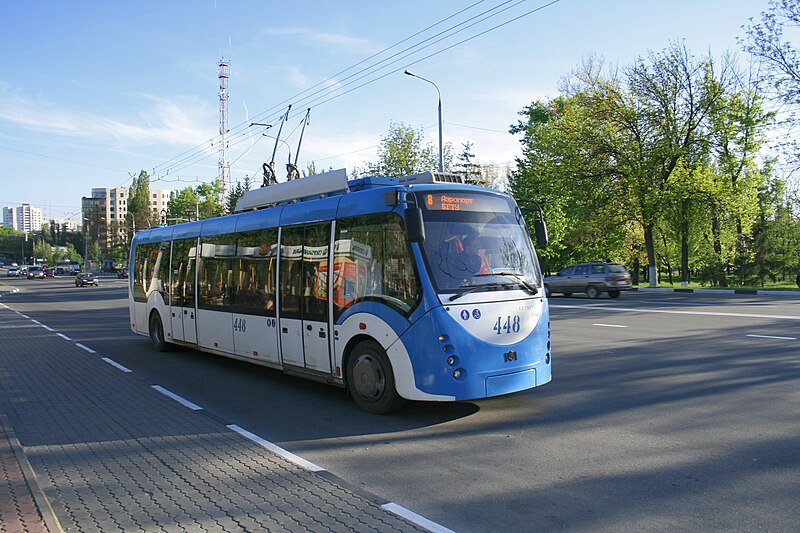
x=182, y=283
x=291, y=282
x=373, y=261
x=568, y=271
x=616, y=268
x=598, y=269
x=215, y=283
x=254, y=270
x=581, y=270
x=146, y=270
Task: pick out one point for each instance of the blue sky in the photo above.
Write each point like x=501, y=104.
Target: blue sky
x=92, y=91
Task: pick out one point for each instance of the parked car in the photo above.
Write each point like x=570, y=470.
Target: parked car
x=122, y=273
x=86, y=278
x=35, y=272
x=13, y=272
x=593, y=279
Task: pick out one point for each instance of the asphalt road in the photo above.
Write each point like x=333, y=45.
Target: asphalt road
x=666, y=412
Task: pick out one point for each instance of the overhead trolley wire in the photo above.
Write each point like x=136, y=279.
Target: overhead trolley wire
x=194, y=155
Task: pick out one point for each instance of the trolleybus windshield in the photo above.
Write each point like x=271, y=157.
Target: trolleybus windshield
x=476, y=240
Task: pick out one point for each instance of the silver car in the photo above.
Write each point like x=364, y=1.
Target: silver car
x=593, y=279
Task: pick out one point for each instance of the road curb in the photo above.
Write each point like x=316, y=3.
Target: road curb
x=42, y=503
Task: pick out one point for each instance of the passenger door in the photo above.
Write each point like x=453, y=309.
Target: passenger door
x=184, y=261
x=303, y=299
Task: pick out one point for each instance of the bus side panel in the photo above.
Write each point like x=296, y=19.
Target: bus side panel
x=138, y=311
x=256, y=337
x=215, y=330
x=380, y=331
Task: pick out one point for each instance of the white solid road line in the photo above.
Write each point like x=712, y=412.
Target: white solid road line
x=117, y=365
x=414, y=517
x=674, y=312
x=772, y=337
x=180, y=400
x=289, y=456
x=610, y=325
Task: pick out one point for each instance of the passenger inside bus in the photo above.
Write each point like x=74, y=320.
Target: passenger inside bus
x=460, y=259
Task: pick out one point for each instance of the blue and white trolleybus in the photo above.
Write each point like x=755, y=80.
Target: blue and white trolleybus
x=415, y=288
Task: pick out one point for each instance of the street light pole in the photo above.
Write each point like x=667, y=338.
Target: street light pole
x=441, y=160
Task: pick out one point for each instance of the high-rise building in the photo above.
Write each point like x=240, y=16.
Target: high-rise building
x=105, y=211
x=23, y=218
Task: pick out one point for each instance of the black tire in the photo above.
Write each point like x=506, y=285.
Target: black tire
x=592, y=292
x=547, y=290
x=568, y=294
x=157, y=333
x=370, y=380
x=613, y=294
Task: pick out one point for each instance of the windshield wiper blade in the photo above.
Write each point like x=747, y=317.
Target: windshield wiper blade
x=474, y=288
x=517, y=276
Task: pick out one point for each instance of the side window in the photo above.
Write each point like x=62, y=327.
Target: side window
x=142, y=271
x=291, y=283
x=568, y=271
x=316, y=239
x=215, y=272
x=372, y=261
x=598, y=269
x=582, y=270
x=254, y=268
x=182, y=283
x=162, y=280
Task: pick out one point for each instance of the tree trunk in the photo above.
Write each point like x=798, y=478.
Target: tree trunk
x=684, y=232
x=719, y=270
x=651, y=255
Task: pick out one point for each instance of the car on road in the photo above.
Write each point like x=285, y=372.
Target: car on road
x=13, y=272
x=35, y=272
x=122, y=273
x=87, y=278
x=593, y=279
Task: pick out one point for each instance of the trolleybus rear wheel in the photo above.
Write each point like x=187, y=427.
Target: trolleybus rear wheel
x=370, y=380
x=157, y=333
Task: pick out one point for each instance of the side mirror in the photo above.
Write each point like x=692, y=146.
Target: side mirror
x=414, y=224
x=540, y=229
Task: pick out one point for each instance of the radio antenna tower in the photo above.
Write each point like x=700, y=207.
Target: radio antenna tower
x=224, y=174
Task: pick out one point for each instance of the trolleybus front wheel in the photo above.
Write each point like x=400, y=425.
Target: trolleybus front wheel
x=370, y=380
x=157, y=333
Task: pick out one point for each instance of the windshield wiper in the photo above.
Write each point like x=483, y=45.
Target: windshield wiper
x=517, y=276
x=474, y=288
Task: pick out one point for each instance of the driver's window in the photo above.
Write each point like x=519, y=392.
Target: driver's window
x=566, y=271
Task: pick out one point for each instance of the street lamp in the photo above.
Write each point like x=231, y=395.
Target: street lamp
x=441, y=161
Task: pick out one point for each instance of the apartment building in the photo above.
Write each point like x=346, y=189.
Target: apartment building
x=23, y=218
x=106, y=209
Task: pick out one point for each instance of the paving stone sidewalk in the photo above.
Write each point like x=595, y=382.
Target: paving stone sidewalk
x=109, y=453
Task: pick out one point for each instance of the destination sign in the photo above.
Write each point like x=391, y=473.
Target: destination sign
x=451, y=201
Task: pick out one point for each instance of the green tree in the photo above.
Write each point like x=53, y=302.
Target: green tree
x=237, y=192
x=401, y=153
x=140, y=215
x=770, y=42
x=210, y=196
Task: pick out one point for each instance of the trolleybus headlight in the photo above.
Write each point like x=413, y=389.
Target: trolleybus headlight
x=452, y=360
x=448, y=348
x=459, y=374
x=547, y=358
x=442, y=338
